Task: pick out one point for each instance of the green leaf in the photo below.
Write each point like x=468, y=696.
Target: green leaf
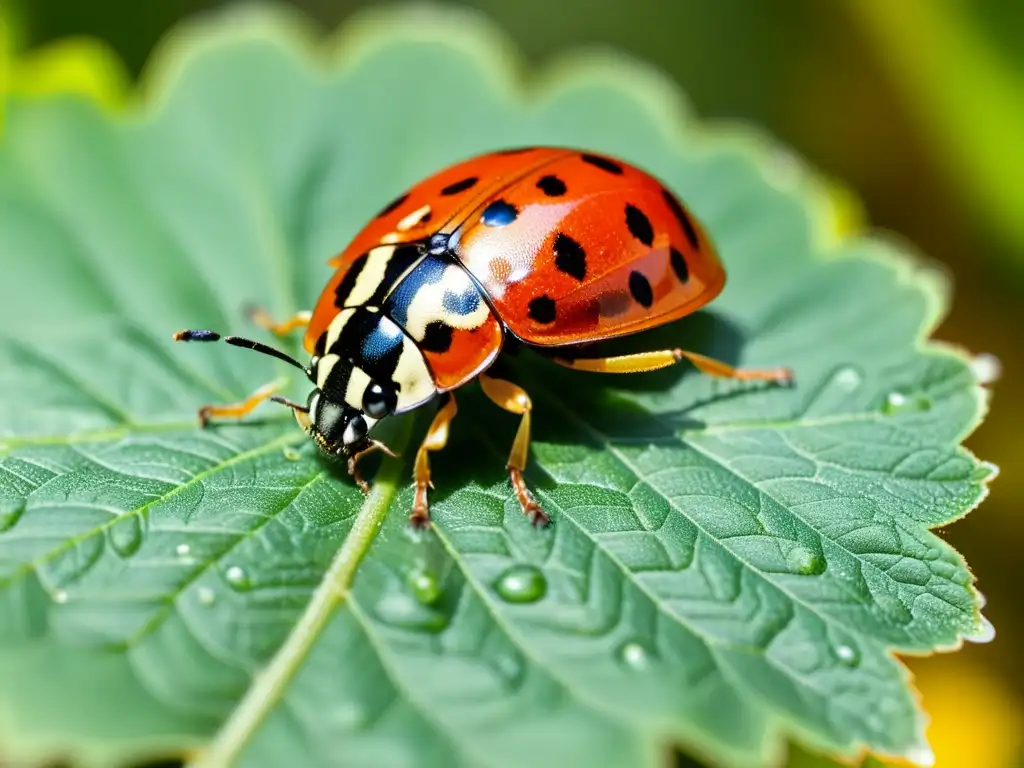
x=729, y=566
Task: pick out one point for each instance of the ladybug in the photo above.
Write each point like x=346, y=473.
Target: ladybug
x=552, y=248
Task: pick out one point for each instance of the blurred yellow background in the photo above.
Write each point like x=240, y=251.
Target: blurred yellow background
x=916, y=105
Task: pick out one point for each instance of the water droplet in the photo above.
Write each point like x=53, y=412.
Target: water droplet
x=60, y=597
x=182, y=550
x=238, y=578
x=922, y=755
x=848, y=655
x=402, y=611
x=424, y=586
x=509, y=667
x=897, y=402
x=348, y=716
x=805, y=562
x=10, y=514
x=290, y=453
x=126, y=535
x=984, y=633
x=521, y=584
x=206, y=596
x=848, y=378
x=634, y=656
x=987, y=368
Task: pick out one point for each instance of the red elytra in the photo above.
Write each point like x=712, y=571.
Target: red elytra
x=555, y=247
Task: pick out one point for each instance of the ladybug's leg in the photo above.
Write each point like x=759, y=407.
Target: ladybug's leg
x=263, y=319
x=507, y=395
x=652, y=361
x=436, y=439
x=238, y=410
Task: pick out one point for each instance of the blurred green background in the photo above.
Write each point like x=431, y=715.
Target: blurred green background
x=915, y=105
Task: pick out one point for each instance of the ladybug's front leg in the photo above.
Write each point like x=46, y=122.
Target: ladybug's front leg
x=514, y=399
x=436, y=439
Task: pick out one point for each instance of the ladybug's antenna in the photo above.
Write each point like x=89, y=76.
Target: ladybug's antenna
x=238, y=341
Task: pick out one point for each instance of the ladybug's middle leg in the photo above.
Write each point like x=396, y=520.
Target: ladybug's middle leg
x=436, y=439
x=662, y=358
x=263, y=319
x=514, y=399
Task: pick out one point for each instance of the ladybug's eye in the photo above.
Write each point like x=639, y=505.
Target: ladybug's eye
x=378, y=402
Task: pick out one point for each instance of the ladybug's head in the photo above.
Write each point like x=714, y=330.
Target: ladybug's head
x=341, y=427
x=340, y=411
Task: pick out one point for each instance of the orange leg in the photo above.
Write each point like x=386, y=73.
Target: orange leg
x=263, y=319
x=436, y=439
x=652, y=361
x=238, y=410
x=507, y=395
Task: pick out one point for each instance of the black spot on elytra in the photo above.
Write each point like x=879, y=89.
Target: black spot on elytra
x=459, y=186
x=552, y=186
x=639, y=225
x=640, y=289
x=603, y=163
x=499, y=214
x=437, y=337
x=348, y=282
x=570, y=256
x=684, y=218
x=542, y=309
x=393, y=205
x=679, y=266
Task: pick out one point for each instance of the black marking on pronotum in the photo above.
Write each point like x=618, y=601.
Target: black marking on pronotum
x=639, y=225
x=684, y=218
x=460, y=186
x=437, y=337
x=393, y=205
x=348, y=282
x=364, y=344
x=552, y=186
x=570, y=257
x=640, y=289
x=679, y=266
x=542, y=309
x=499, y=214
x=403, y=257
x=603, y=163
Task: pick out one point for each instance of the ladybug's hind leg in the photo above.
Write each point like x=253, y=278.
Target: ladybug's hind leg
x=652, y=361
x=436, y=439
x=514, y=399
x=263, y=319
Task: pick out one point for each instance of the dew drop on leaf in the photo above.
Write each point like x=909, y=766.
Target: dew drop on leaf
x=126, y=535
x=400, y=610
x=634, y=655
x=897, y=402
x=60, y=597
x=848, y=655
x=290, y=453
x=424, y=586
x=984, y=633
x=848, y=378
x=10, y=514
x=206, y=596
x=987, y=368
x=182, y=550
x=805, y=562
x=921, y=755
x=509, y=667
x=238, y=578
x=521, y=584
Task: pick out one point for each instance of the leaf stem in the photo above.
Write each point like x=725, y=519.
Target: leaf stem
x=270, y=683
